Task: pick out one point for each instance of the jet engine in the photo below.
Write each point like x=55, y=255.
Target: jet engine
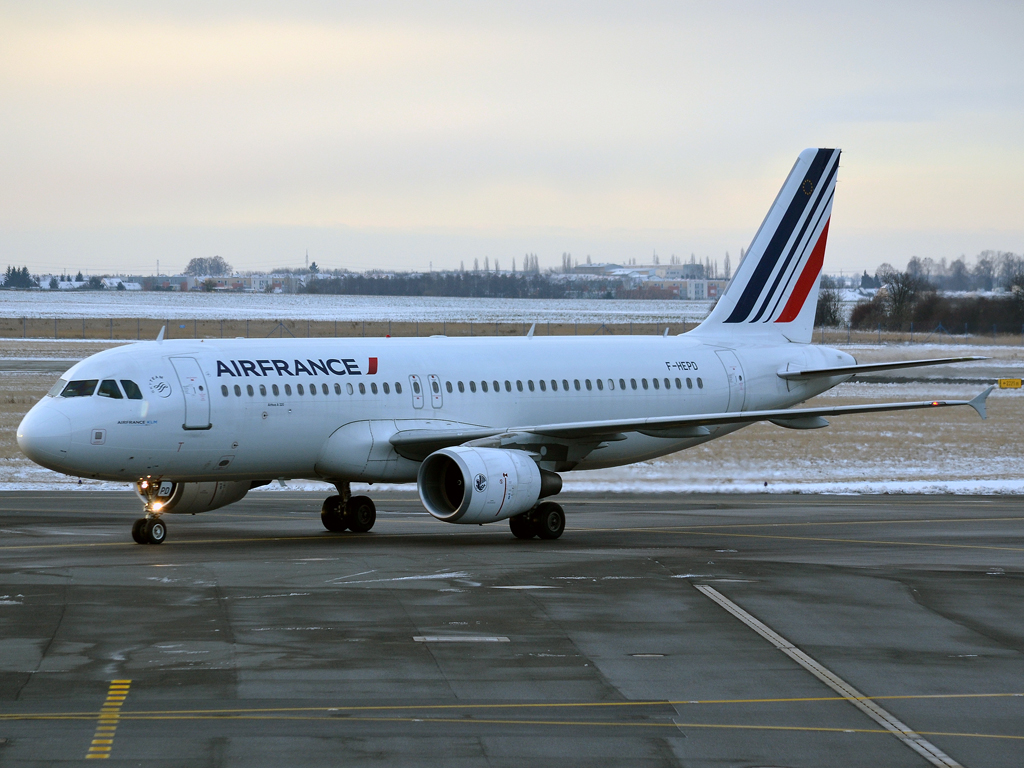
x=482, y=485
x=167, y=496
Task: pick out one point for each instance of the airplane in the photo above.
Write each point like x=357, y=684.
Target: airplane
x=484, y=426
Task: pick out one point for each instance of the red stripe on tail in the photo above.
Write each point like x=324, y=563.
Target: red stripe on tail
x=806, y=281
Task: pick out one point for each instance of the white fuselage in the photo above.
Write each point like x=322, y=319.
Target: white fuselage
x=220, y=419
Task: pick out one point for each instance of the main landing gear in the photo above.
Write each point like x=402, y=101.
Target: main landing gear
x=546, y=521
x=345, y=512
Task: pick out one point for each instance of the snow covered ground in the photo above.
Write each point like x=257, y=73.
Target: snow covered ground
x=216, y=306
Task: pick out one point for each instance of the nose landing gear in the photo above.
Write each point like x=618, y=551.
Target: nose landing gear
x=345, y=512
x=149, y=530
x=155, y=495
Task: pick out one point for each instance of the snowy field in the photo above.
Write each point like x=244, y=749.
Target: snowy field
x=259, y=306
x=942, y=451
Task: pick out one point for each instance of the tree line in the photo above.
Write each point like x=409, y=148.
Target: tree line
x=519, y=285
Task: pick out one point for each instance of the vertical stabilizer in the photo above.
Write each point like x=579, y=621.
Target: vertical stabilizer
x=775, y=289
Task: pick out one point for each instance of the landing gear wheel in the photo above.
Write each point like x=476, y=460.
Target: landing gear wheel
x=154, y=531
x=137, y=530
x=331, y=515
x=549, y=520
x=360, y=514
x=521, y=526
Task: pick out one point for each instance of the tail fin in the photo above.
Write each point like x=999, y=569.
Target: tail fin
x=775, y=289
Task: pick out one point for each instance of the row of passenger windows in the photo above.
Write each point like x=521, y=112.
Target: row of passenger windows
x=542, y=384
x=312, y=389
x=87, y=387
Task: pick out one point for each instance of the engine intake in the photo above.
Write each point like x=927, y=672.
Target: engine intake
x=482, y=485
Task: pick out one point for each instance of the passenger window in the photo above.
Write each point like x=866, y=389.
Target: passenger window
x=387, y=389
x=362, y=388
x=433, y=386
x=398, y=388
x=622, y=384
x=57, y=388
x=700, y=384
x=668, y=384
x=656, y=383
x=508, y=386
x=576, y=383
x=519, y=385
x=238, y=391
x=679, y=384
x=462, y=387
x=224, y=389
x=543, y=385
x=288, y=389
x=689, y=383
x=472, y=386
x=373, y=388
x=263, y=390
x=275, y=390
x=109, y=389
x=600, y=384
x=249, y=390
x=643, y=383
x=589, y=385
x=483, y=386
x=632, y=383
x=565, y=384
x=337, y=388
x=83, y=388
x=348, y=388
x=496, y=387
x=131, y=389
x=529, y=384
x=416, y=387
x=299, y=389
x=611, y=383
x=447, y=385
x=326, y=391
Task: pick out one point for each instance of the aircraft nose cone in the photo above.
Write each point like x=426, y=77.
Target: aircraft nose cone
x=44, y=435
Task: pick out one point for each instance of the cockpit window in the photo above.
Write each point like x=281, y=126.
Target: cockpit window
x=57, y=388
x=109, y=389
x=82, y=388
x=131, y=389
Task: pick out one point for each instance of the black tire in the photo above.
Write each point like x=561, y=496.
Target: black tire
x=331, y=515
x=137, y=531
x=522, y=527
x=154, y=531
x=549, y=520
x=360, y=514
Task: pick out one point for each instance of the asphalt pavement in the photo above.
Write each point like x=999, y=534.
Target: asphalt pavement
x=660, y=630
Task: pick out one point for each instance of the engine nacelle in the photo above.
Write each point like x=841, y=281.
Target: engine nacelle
x=482, y=485
x=166, y=496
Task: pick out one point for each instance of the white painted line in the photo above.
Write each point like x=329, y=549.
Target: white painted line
x=915, y=741
x=459, y=639
x=527, y=586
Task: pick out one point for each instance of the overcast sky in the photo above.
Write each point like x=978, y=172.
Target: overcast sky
x=393, y=135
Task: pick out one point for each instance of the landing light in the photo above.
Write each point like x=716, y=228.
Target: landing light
x=144, y=485
x=157, y=506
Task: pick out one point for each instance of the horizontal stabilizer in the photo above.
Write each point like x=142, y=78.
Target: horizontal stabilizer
x=978, y=403
x=851, y=370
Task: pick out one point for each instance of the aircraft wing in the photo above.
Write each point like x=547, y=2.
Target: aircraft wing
x=417, y=444
x=678, y=426
x=846, y=370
